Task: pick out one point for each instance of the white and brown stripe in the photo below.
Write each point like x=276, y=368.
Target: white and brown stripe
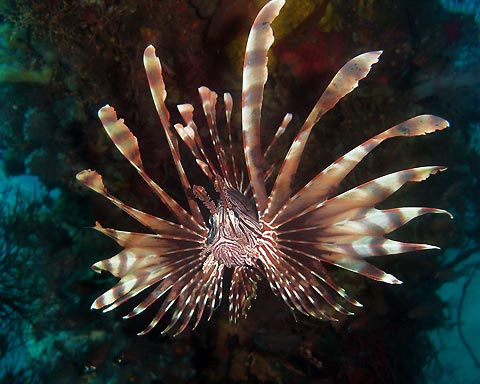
x=153, y=70
x=209, y=101
x=321, y=186
x=345, y=81
x=255, y=75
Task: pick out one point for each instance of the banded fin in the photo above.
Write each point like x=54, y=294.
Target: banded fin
x=349, y=262
x=354, y=245
x=202, y=159
x=209, y=101
x=280, y=131
x=255, y=75
x=316, y=267
x=363, y=196
x=228, y=102
x=183, y=292
x=344, y=82
x=138, y=270
x=361, y=267
x=127, y=144
x=243, y=289
x=298, y=287
x=322, y=185
x=93, y=180
x=153, y=70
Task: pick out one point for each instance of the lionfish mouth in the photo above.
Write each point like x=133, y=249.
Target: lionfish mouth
x=286, y=236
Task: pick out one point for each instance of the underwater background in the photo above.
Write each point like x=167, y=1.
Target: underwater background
x=60, y=61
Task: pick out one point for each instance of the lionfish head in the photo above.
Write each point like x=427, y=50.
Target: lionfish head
x=283, y=235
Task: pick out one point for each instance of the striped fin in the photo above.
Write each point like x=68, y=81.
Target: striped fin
x=121, y=136
x=173, y=282
x=365, y=195
x=185, y=299
x=298, y=287
x=322, y=185
x=93, y=180
x=354, y=245
x=276, y=279
x=210, y=294
x=187, y=135
x=209, y=101
x=133, y=239
x=150, y=268
x=127, y=144
x=186, y=111
x=136, y=260
x=255, y=75
x=130, y=239
x=243, y=289
x=122, y=263
x=313, y=264
x=363, y=221
x=204, y=294
x=153, y=69
x=308, y=283
x=379, y=222
x=344, y=82
x=280, y=131
x=346, y=261
x=184, y=290
x=228, y=102
x=361, y=267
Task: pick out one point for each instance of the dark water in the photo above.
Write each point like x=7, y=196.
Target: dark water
x=61, y=61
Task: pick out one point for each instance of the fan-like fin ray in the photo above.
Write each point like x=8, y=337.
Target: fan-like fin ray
x=361, y=246
x=187, y=135
x=209, y=101
x=255, y=75
x=186, y=111
x=243, y=289
x=134, y=239
x=322, y=185
x=344, y=82
x=308, y=283
x=189, y=298
x=364, y=196
x=294, y=286
x=174, y=291
x=93, y=180
x=361, y=267
x=316, y=267
x=153, y=70
x=127, y=144
x=150, y=268
x=182, y=292
x=365, y=222
x=211, y=292
x=198, y=299
x=280, y=131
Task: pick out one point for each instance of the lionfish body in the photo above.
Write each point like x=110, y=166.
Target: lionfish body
x=283, y=236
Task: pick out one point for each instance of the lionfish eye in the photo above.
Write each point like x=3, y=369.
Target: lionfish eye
x=211, y=230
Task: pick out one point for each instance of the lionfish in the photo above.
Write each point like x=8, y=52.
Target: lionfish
x=283, y=236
